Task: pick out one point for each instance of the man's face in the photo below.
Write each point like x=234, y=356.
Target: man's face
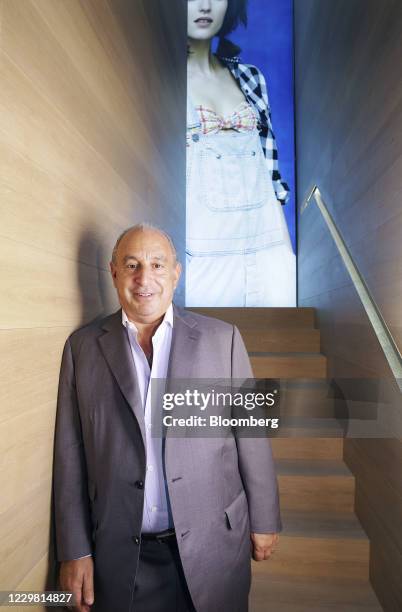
x=145, y=275
x=205, y=18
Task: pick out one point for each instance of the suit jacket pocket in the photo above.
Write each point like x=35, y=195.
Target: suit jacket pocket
x=237, y=510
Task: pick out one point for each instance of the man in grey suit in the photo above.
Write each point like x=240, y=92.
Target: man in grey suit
x=145, y=524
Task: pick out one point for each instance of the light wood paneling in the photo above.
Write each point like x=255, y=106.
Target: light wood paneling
x=26, y=451
x=45, y=290
x=37, y=575
x=24, y=534
x=30, y=360
x=92, y=140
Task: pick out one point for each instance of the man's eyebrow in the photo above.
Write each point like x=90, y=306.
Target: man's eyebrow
x=127, y=258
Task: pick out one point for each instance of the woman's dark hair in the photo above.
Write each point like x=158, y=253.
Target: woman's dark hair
x=236, y=14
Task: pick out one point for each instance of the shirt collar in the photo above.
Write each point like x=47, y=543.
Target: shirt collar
x=168, y=318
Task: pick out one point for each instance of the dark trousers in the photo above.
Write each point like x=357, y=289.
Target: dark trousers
x=160, y=584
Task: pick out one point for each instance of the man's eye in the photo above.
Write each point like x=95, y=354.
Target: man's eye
x=131, y=266
x=158, y=266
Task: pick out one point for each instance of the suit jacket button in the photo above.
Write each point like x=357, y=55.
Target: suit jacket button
x=136, y=539
x=139, y=484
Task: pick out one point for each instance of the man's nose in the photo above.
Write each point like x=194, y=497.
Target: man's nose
x=143, y=275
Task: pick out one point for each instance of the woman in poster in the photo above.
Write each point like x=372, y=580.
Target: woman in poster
x=238, y=248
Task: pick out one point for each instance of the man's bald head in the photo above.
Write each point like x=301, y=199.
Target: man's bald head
x=141, y=227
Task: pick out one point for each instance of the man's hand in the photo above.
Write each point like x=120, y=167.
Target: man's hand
x=78, y=577
x=263, y=545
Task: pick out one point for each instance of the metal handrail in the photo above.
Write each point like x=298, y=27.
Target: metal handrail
x=381, y=330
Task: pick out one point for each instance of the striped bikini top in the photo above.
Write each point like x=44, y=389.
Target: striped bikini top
x=242, y=119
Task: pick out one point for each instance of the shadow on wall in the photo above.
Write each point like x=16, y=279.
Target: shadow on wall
x=97, y=300
x=96, y=290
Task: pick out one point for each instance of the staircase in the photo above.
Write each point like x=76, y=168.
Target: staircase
x=322, y=561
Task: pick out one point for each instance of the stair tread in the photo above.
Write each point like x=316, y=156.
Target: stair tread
x=283, y=343
x=308, y=431
x=246, y=318
x=312, y=467
x=289, y=365
x=281, y=339
x=315, y=524
x=296, y=422
x=278, y=330
x=304, y=594
x=309, y=427
x=307, y=447
x=286, y=355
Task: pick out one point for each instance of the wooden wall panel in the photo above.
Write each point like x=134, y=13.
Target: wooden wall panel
x=29, y=364
x=349, y=143
x=92, y=140
x=46, y=290
x=24, y=534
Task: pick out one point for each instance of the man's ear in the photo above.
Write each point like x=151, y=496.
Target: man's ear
x=178, y=270
x=113, y=272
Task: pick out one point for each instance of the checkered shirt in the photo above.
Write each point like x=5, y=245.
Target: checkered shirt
x=253, y=85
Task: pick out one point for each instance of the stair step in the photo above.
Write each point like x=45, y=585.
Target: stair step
x=309, y=427
x=319, y=485
x=322, y=525
x=321, y=544
x=300, y=399
x=324, y=409
x=307, y=448
x=271, y=593
x=288, y=365
x=261, y=318
x=309, y=397
x=309, y=467
x=281, y=340
x=306, y=397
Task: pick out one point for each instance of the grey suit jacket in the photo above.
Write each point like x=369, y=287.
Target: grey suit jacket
x=220, y=489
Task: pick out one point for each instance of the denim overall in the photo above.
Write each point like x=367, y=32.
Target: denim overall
x=236, y=231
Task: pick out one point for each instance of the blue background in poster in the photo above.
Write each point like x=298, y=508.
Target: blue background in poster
x=268, y=43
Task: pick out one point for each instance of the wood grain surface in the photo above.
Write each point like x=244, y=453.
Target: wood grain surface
x=92, y=140
x=349, y=143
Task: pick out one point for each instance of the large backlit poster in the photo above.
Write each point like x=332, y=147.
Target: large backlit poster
x=240, y=228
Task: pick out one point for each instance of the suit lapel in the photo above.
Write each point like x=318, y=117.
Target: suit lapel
x=184, y=342
x=115, y=347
